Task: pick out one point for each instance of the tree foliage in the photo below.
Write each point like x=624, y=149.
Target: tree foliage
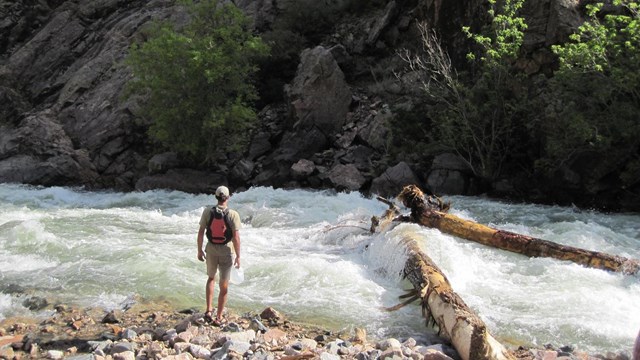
x=197, y=80
x=477, y=120
x=596, y=92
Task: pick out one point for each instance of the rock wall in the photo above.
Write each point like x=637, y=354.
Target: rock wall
x=63, y=120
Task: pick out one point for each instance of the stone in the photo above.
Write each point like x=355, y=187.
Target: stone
x=390, y=343
x=125, y=355
x=242, y=336
x=329, y=356
x=448, y=175
x=302, y=169
x=111, y=318
x=376, y=134
x=54, y=354
x=271, y=314
x=199, y=352
x=6, y=352
x=432, y=354
x=122, y=346
x=276, y=336
x=35, y=303
x=242, y=171
x=391, y=182
x=160, y=163
x=346, y=177
x=80, y=357
x=128, y=334
x=319, y=96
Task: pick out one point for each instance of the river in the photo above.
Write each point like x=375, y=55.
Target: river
x=308, y=254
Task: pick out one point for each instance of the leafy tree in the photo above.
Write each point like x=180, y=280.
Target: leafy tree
x=596, y=93
x=197, y=80
x=478, y=121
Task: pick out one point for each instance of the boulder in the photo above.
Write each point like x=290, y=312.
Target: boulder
x=160, y=163
x=40, y=152
x=303, y=169
x=319, y=96
x=242, y=171
x=376, y=133
x=449, y=175
x=346, y=177
x=391, y=182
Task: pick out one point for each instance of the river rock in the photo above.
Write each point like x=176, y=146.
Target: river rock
x=391, y=182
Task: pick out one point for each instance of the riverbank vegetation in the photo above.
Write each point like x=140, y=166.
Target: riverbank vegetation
x=197, y=80
x=578, y=124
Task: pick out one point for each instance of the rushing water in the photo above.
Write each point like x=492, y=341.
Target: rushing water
x=308, y=254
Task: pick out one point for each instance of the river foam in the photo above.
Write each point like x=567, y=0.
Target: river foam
x=309, y=254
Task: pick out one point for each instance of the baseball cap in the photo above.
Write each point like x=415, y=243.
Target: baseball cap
x=222, y=191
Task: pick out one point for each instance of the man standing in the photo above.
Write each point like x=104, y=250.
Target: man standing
x=221, y=226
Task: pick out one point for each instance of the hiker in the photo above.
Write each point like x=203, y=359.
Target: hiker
x=220, y=225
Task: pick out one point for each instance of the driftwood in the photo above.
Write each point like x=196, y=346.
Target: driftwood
x=441, y=306
x=444, y=308
x=432, y=213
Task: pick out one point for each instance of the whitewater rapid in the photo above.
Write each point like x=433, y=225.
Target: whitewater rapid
x=309, y=255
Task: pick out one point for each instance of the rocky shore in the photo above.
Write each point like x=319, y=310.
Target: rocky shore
x=156, y=331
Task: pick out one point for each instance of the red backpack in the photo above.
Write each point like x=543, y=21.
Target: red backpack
x=218, y=231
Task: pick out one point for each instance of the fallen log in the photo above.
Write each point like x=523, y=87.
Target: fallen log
x=432, y=213
x=441, y=306
x=444, y=307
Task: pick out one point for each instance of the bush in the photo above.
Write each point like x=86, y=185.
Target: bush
x=197, y=81
x=596, y=93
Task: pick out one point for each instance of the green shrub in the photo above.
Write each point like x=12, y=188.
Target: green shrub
x=597, y=93
x=197, y=81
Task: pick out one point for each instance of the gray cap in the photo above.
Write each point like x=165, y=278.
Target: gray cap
x=222, y=191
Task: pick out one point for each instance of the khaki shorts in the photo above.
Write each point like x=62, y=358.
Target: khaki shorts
x=219, y=257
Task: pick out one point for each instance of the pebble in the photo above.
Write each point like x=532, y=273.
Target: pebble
x=185, y=336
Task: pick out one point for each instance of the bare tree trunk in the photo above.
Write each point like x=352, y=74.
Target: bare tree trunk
x=425, y=212
x=440, y=304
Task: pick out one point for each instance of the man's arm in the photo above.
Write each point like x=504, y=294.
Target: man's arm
x=201, y=255
x=236, y=247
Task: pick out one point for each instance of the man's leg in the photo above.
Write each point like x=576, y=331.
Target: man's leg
x=222, y=297
x=211, y=283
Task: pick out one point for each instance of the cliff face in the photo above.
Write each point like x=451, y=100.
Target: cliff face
x=63, y=120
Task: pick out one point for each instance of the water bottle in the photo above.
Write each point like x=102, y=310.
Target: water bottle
x=237, y=275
